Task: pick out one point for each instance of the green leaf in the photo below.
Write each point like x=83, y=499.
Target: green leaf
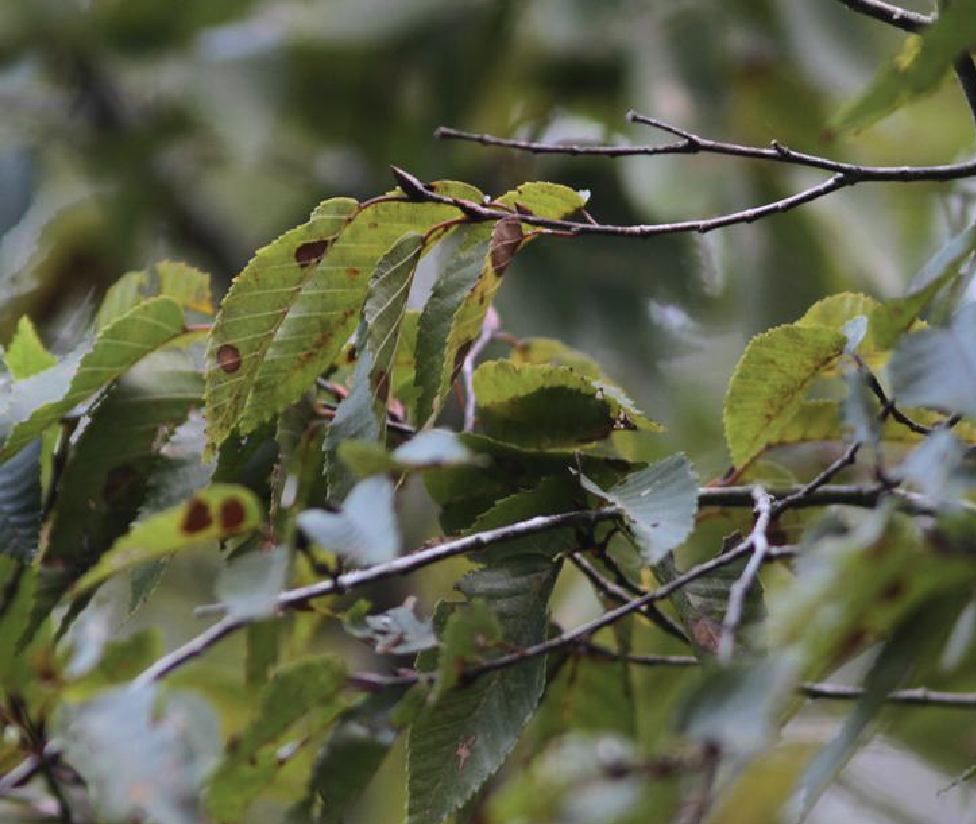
x=456, y=309
x=26, y=354
x=187, y=285
x=139, y=762
x=426, y=450
x=937, y=367
x=289, y=313
x=365, y=530
x=362, y=413
x=41, y=400
x=659, y=504
x=550, y=406
x=218, y=512
x=461, y=738
x=105, y=480
x=293, y=692
x=917, y=71
x=122, y=296
x=769, y=383
x=20, y=503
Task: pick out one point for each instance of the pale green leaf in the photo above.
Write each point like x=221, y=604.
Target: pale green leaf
x=187, y=285
x=659, y=504
x=365, y=530
x=122, y=296
x=397, y=631
x=250, y=585
x=770, y=381
x=41, y=400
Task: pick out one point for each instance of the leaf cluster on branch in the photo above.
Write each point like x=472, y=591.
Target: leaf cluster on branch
x=285, y=430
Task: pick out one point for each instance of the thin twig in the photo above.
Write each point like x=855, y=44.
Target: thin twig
x=488, y=329
x=618, y=593
x=807, y=491
x=917, y=696
x=739, y=591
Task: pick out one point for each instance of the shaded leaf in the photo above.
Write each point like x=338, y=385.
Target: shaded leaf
x=556, y=353
x=41, y=400
x=365, y=530
x=292, y=693
x=218, y=512
x=659, y=504
x=20, y=503
x=550, y=406
x=768, y=385
x=460, y=739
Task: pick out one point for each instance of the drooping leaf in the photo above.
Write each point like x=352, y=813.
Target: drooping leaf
x=923, y=62
x=139, y=762
x=454, y=313
x=769, y=383
x=550, y=406
x=397, y=631
x=365, y=530
x=292, y=693
x=659, y=504
x=462, y=738
x=936, y=367
x=289, y=313
x=425, y=450
x=218, y=512
x=362, y=413
x=26, y=354
x=39, y=401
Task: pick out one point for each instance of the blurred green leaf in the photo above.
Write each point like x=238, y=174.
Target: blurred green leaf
x=397, y=631
x=923, y=62
x=26, y=355
x=364, y=531
x=250, y=585
x=426, y=450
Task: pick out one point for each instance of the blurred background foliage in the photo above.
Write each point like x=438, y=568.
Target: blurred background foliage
x=137, y=130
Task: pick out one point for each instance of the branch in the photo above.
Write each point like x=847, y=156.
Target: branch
x=740, y=589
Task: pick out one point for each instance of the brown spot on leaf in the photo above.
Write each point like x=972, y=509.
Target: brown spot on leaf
x=505, y=240
x=463, y=751
x=229, y=358
x=118, y=481
x=462, y=353
x=706, y=634
x=311, y=252
x=352, y=272
x=372, y=225
x=895, y=590
x=381, y=386
x=197, y=517
x=351, y=355
x=232, y=514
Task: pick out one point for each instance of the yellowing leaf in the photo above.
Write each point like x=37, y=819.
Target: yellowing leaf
x=217, y=512
x=769, y=383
